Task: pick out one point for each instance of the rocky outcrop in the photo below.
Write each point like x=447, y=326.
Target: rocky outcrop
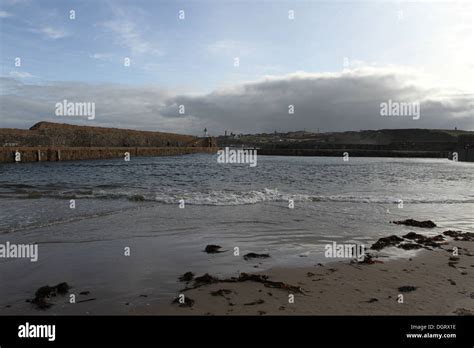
x=415, y=223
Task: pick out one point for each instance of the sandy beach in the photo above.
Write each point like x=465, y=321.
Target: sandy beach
x=125, y=245
x=433, y=283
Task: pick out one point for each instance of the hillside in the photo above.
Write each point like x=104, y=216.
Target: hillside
x=54, y=134
x=390, y=139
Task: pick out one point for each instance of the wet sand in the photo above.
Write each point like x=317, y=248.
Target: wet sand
x=442, y=285
x=104, y=281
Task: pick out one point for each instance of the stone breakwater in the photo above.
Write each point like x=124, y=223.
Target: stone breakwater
x=353, y=152
x=47, y=134
x=47, y=141
x=43, y=154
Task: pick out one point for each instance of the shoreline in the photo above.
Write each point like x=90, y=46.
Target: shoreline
x=157, y=262
x=434, y=282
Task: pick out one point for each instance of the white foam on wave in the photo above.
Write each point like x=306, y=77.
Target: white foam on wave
x=226, y=197
x=274, y=195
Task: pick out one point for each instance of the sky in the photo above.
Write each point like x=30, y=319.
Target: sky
x=335, y=61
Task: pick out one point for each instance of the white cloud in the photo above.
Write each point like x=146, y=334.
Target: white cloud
x=101, y=56
x=449, y=48
x=116, y=105
x=5, y=14
x=128, y=35
x=21, y=74
x=52, y=33
x=14, y=2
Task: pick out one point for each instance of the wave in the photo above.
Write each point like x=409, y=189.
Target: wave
x=225, y=197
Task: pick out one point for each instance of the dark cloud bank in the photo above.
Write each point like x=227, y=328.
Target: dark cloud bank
x=348, y=100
